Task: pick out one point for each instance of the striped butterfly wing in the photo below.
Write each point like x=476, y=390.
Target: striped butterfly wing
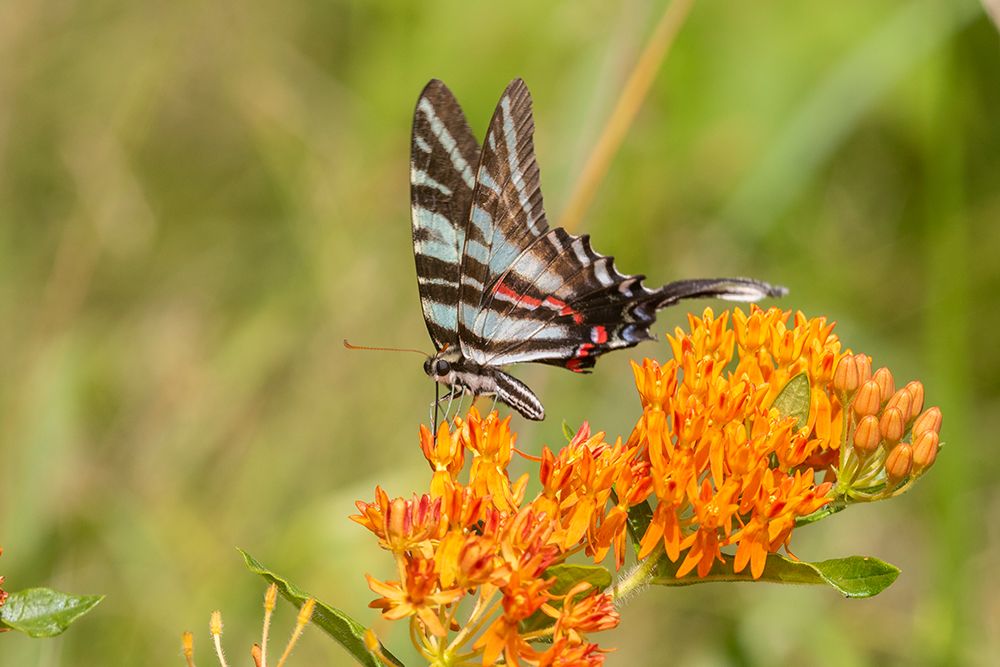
x=506, y=216
x=443, y=155
x=530, y=293
x=563, y=303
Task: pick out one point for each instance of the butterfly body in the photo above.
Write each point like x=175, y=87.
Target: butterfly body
x=497, y=285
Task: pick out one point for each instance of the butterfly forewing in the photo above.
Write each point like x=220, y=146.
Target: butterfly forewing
x=507, y=213
x=529, y=293
x=443, y=159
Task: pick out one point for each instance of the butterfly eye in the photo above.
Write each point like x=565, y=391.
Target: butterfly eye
x=427, y=366
x=442, y=367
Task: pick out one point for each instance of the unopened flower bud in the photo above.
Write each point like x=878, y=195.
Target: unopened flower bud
x=925, y=449
x=892, y=425
x=869, y=399
x=899, y=462
x=864, y=367
x=916, y=390
x=885, y=382
x=930, y=420
x=867, y=435
x=846, y=377
x=902, y=400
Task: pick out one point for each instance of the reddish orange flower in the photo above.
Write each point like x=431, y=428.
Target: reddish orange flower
x=503, y=636
x=714, y=511
x=581, y=614
x=563, y=653
x=446, y=455
x=402, y=525
x=492, y=444
x=418, y=595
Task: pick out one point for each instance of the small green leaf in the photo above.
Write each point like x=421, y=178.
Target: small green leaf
x=344, y=629
x=568, y=431
x=854, y=577
x=43, y=612
x=567, y=576
x=639, y=517
x=793, y=400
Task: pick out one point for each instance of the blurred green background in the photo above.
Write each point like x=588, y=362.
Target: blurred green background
x=198, y=201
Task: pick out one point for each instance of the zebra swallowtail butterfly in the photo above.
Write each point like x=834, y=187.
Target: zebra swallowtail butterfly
x=497, y=285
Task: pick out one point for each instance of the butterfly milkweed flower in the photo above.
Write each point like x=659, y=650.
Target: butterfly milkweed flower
x=760, y=422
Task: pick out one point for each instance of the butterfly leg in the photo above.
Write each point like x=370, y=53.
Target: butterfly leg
x=455, y=391
x=438, y=400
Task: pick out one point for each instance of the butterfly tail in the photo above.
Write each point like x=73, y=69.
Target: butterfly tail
x=731, y=289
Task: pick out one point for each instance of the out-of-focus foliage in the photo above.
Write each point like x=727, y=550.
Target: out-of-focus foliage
x=198, y=201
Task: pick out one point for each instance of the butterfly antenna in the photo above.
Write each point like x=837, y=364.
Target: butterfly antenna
x=352, y=346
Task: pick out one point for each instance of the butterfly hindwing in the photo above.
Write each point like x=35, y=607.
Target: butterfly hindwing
x=443, y=157
x=564, y=303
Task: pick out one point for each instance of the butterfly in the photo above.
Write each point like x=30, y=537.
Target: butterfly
x=497, y=285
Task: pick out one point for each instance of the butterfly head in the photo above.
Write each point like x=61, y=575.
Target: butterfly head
x=441, y=367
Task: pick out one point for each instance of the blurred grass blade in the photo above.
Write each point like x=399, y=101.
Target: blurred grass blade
x=344, y=629
x=632, y=97
x=993, y=10
x=854, y=577
x=834, y=107
x=43, y=612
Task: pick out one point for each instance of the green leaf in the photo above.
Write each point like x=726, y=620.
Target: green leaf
x=854, y=577
x=568, y=575
x=568, y=431
x=344, y=629
x=639, y=517
x=43, y=612
x=793, y=401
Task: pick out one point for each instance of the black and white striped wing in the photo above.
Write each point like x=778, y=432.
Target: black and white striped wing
x=443, y=157
x=530, y=293
x=506, y=216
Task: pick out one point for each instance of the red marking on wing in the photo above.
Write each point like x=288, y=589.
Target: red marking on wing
x=573, y=364
x=599, y=335
x=549, y=302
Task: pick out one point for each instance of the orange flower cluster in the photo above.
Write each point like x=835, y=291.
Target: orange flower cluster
x=727, y=466
x=744, y=431
x=479, y=538
x=742, y=435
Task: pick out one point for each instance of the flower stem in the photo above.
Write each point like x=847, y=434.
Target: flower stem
x=638, y=578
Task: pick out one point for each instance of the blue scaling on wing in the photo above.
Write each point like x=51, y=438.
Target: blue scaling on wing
x=442, y=155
